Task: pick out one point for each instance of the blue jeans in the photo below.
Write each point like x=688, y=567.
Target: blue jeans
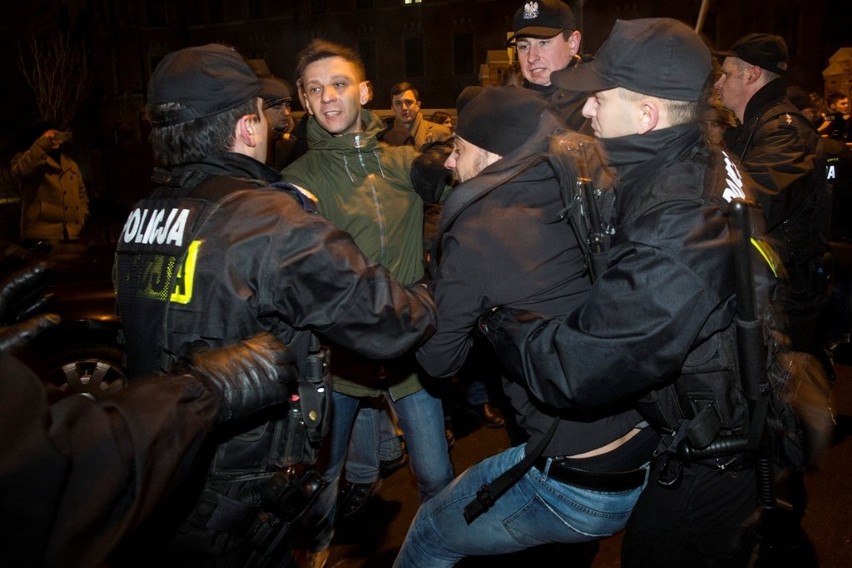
x=477, y=392
x=535, y=510
x=422, y=421
x=372, y=441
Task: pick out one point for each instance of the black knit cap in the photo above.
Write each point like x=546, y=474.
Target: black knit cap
x=500, y=119
x=202, y=81
x=661, y=57
x=767, y=51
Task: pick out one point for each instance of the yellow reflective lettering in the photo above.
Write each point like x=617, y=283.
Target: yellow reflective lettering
x=185, y=278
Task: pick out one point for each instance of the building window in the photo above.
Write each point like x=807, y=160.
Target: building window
x=463, y=54
x=407, y=2
x=414, y=57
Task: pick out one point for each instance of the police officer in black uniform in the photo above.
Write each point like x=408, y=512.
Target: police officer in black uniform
x=658, y=328
x=215, y=254
x=780, y=149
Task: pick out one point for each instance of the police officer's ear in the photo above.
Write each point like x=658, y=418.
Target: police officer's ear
x=246, y=129
x=753, y=74
x=649, y=114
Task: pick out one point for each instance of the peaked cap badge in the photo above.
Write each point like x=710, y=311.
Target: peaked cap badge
x=531, y=10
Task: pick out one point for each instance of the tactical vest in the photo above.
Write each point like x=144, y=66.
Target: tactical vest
x=157, y=250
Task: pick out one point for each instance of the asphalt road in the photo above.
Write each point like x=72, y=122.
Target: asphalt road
x=372, y=538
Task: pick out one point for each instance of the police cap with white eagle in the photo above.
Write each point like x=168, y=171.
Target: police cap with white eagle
x=661, y=57
x=199, y=82
x=542, y=19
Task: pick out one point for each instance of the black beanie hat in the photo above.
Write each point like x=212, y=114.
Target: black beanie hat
x=500, y=119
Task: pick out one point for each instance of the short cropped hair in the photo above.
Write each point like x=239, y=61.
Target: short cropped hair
x=679, y=112
x=191, y=141
x=320, y=49
x=833, y=98
x=400, y=88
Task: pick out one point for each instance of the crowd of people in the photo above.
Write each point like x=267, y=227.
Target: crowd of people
x=297, y=297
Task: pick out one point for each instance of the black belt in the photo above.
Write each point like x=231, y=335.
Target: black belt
x=601, y=481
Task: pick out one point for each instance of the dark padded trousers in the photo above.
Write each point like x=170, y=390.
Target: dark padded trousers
x=707, y=521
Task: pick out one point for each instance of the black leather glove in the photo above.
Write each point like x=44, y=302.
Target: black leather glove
x=249, y=376
x=428, y=175
x=20, y=297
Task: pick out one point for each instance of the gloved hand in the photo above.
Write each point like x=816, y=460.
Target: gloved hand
x=249, y=376
x=20, y=297
x=429, y=177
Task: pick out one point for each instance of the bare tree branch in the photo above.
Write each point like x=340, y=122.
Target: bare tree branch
x=57, y=72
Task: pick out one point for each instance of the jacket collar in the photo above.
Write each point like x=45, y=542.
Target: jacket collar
x=768, y=95
x=220, y=164
x=364, y=141
x=637, y=155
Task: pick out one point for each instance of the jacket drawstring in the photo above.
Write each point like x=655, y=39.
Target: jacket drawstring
x=346, y=167
x=379, y=162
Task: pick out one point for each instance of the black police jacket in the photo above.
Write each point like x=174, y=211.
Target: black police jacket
x=658, y=322
x=780, y=149
x=192, y=270
x=263, y=263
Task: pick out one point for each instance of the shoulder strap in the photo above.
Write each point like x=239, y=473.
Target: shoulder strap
x=591, y=227
x=490, y=492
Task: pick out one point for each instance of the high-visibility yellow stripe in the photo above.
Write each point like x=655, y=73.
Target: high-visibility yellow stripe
x=185, y=278
x=767, y=251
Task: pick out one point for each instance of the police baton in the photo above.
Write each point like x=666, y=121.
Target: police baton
x=751, y=349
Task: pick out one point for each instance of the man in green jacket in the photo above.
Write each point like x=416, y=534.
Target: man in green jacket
x=365, y=188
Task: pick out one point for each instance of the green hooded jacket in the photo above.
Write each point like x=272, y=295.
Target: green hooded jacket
x=364, y=187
